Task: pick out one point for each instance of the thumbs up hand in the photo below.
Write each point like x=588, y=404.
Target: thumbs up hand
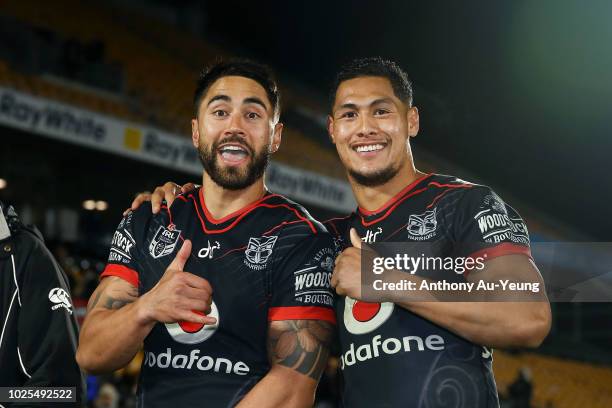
x=179, y=296
x=346, y=278
x=355, y=240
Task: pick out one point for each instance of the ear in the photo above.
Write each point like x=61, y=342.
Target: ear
x=330, y=128
x=195, y=133
x=413, y=121
x=277, y=136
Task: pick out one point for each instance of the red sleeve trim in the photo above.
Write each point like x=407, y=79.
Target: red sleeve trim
x=505, y=248
x=302, y=313
x=127, y=274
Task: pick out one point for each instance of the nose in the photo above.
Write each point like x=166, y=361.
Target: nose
x=235, y=126
x=366, y=127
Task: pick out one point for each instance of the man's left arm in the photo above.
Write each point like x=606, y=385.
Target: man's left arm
x=301, y=327
x=298, y=352
x=485, y=226
x=495, y=319
x=500, y=323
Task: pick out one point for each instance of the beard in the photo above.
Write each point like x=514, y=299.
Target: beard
x=374, y=179
x=234, y=178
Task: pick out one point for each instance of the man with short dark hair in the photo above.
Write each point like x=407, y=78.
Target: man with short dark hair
x=402, y=349
x=208, y=284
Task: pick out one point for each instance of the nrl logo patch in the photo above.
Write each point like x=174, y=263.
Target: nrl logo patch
x=258, y=251
x=164, y=242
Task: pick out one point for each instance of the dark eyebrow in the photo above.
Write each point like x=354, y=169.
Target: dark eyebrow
x=255, y=100
x=375, y=102
x=381, y=100
x=224, y=98
x=348, y=106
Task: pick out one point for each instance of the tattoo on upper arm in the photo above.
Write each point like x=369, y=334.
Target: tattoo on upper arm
x=94, y=302
x=114, y=298
x=302, y=345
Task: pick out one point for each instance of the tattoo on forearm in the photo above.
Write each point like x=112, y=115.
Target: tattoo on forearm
x=112, y=303
x=302, y=345
x=113, y=299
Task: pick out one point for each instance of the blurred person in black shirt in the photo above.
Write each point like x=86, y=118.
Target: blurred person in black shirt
x=38, y=337
x=521, y=389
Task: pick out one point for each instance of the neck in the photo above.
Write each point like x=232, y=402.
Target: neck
x=372, y=198
x=221, y=202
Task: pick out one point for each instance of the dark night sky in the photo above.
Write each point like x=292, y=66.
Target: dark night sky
x=518, y=93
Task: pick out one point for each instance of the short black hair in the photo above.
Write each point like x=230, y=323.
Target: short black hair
x=259, y=73
x=377, y=67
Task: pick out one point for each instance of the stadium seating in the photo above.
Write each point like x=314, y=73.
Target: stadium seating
x=160, y=66
x=562, y=383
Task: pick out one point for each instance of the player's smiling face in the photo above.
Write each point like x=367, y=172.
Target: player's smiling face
x=370, y=127
x=235, y=131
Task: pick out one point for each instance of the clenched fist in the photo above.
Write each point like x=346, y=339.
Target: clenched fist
x=346, y=278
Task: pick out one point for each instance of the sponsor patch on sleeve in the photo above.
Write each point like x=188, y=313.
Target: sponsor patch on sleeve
x=496, y=224
x=313, y=280
x=122, y=246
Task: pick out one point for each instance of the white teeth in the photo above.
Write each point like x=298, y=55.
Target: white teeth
x=235, y=148
x=370, y=148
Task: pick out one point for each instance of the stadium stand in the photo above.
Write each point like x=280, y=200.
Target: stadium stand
x=161, y=96
x=558, y=383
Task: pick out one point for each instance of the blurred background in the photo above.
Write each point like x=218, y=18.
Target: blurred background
x=95, y=105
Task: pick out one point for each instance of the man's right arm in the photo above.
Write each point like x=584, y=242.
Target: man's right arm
x=118, y=320
x=114, y=329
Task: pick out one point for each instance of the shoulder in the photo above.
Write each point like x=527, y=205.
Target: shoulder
x=444, y=181
x=295, y=215
x=34, y=262
x=141, y=218
x=137, y=218
x=338, y=226
x=137, y=224
x=480, y=205
x=465, y=192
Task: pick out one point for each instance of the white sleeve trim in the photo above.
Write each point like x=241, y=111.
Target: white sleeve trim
x=8, y=313
x=21, y=363
x=15, y=279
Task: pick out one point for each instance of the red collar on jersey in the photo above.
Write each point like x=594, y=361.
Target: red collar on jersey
x=246, y=208
x=395, y=198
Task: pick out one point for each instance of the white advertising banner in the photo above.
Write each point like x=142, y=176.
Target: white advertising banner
x=86, y=128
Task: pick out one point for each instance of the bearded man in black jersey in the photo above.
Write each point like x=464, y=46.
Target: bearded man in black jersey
x=401, y=349
x=208, y=283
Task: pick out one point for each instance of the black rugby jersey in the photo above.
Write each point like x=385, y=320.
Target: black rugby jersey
x=391, y=357
x=268, y=261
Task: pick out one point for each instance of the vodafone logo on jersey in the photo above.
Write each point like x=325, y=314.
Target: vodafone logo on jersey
x=363, y=317
x=193, y=333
